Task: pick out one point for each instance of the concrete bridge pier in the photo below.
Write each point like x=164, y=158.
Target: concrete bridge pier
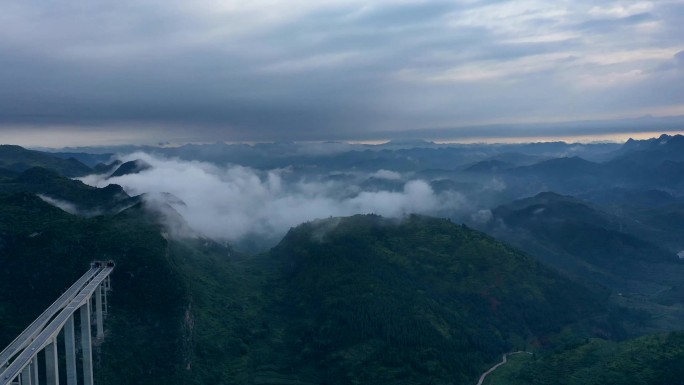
x=34, y=367
x=86, y=346
x=70, y=350
x=26, y=376
x=105, y=289
x=51, y=365
x=98, y=313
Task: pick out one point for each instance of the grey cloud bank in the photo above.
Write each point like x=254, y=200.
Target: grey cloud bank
x=301, y=70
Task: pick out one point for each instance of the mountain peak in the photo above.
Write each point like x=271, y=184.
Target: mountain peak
x=652, y=151
x=131, y=167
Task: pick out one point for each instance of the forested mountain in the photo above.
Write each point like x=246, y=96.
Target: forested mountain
x=595, y=246
x=16, y=158
x=44, y=249
x=131, y=167
x=381, y=301
x=366, y=299
x=72, y=195
x=654, y=359
x=358, y=297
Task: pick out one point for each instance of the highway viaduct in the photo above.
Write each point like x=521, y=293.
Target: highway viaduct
x=19, y=362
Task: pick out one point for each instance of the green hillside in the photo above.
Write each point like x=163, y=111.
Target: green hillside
x=571, y=226
x=355, y=300
x=43, y=250
x=16, y=158
x=78, y=196
x=371, y=300
x=650, y=360
x=583, y=241
x=358, y=300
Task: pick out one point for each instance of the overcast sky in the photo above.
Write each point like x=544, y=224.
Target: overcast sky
x=135, y=70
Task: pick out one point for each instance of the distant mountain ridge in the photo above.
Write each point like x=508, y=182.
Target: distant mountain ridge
x=79, y=196
x=16, y=158
x=651, y=164
x=669, y=143
x=561, y=167
x=89, y=159
x=580, y=239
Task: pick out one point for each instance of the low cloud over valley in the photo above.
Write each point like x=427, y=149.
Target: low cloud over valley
x=235, y=202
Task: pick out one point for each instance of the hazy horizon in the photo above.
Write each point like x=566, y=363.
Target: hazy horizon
x=55, y=140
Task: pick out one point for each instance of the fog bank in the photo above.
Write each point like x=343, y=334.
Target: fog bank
x=234, y=202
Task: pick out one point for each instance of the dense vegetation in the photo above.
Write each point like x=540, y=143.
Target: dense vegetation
x=43, y=250
x=572, y=227
x=595, y=246
x=357, y=300
x=81, y=198
x=650, y=360
x=16, y=158
x=363, y=298
x=371, y=300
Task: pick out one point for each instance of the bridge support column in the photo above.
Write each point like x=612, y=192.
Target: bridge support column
x=86, y=346
x=70, y=349
x=105, y=289
x=51, y=365
x=98, y=313
x=34, y=367
x=26, y=375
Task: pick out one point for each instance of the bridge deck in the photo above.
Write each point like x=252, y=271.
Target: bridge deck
x=48, y=334
x=37, y=326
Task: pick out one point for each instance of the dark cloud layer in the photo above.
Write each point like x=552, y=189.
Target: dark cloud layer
x=223, y=70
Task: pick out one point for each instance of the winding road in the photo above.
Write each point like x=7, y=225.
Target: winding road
x=503, y=361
